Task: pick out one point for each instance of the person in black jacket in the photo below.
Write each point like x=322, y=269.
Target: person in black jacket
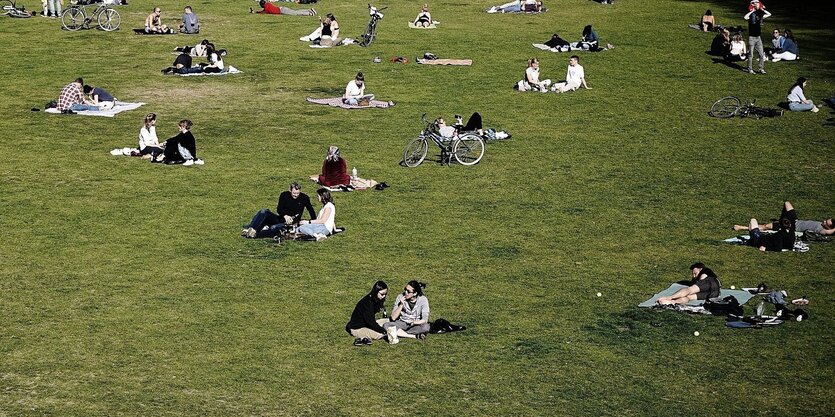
x=182, y=149
x=363, y=324
x=705, y=285
x=289, y=209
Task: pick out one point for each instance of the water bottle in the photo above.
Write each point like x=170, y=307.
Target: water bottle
x=354, y=173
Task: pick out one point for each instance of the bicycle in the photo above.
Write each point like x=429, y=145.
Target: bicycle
x=371, y=30
x=9, y=8
x=731, y=106
x=467, y=148
x=76, y=17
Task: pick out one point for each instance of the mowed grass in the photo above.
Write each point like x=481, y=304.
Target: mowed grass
x=126, y=289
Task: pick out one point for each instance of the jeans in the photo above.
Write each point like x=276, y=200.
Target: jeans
x=83, y=107
x=350, y=101
x=311, y=229
x=152, y=150
x=265, y=217
x=798, y=106
x=192, y=70
x=755, y=43
x=55, y=7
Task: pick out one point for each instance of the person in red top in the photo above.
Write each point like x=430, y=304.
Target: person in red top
x=334, y=170
x=269, y=8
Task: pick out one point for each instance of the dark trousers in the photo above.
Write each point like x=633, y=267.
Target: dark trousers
x=152, y=150
x=265, y=217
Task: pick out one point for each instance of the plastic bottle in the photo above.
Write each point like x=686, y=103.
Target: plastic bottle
x=354, y=173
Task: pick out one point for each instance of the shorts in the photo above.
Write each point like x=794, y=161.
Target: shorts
x=756, y=237
x=708, y=288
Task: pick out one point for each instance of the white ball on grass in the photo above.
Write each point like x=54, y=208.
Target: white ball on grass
x=599, y=294
x=696, y=333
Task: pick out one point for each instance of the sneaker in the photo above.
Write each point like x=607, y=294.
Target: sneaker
x=319, y=236
x=815, y=109
x=305, y=39
x=750, y=71
x=198, y=162
x=244, y=231
x=762, y=71
x=362, y=341
x=251, y=233
x=775, y=60
x=190, y=162
x=421, y=336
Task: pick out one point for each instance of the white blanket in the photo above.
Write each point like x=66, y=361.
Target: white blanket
x=432, y=25
x=116, y=109
x=228, y=70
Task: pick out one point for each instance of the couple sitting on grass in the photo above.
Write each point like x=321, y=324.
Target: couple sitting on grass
x=180, y=149
x=291, y=205
x=182, y=64
x=409, y=315
x=589, y=41
x=76, y=96
x=574, y=79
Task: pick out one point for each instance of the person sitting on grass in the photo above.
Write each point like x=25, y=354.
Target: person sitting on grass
x=327, y=34
x=589, y=41
x=575, y=77
x=181, y=65
x=708, y=22
x=334, y=170
x=558, y=43
x=824, y=227
x=198, y=50
x=148, y=141
x=363, y=324
x=72, y=99
x=776, y=41
x=215, y=64
x=153, y=23
x=269, y=8
x=99, y=97
x=705, y=285
x=190, y=24
x=410, y=314
x=531, y=82
x=289, y=210
x=324, y=224
x=737, y=51
x=355, y=91
x=721, y=44
x=788, y=50
x=182, y=149
x=797, y=100
x=424, y=18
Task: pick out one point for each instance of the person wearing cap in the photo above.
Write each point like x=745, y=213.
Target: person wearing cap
x=355, y=90
x=704, y=285
x=755, y=17
x=823, y=227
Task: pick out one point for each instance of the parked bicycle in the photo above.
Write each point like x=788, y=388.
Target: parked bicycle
x=371, y=30
x=77, y=17
x=9, y=8
x=731, y=106
x=467, y=148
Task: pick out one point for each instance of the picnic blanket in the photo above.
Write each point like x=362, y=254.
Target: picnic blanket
x=545, y=47
x=440, y=61
x=357, y=184
x=116, y=109
x=740, y=295
x=141, y=31
x=433, y=25
x=337, y=102
x=228, y=70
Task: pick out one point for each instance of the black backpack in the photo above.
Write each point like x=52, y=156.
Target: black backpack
x=724, y=307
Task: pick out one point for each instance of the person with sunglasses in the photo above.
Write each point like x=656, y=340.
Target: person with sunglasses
x=410, y=314
x=364, y=325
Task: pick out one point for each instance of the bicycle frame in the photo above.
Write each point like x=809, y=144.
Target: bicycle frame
x=371, y=31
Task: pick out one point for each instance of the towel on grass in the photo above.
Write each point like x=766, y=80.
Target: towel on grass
x=337, y=102
x=740, y=295
x=116, y=109
x=141, y=31
x=545, y=47
x=228, y=70
x=440, y=61
x=433, y=25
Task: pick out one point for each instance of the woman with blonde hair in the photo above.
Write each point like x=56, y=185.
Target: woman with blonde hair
x=424, y=18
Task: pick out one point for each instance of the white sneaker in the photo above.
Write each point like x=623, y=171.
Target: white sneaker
x=305, y=39
x=492, y=10
x=319, y=236
x=775, y=60
x=190, y=162
x=198, y=162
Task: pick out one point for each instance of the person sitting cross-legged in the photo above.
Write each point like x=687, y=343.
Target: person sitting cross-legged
x=325, y=222
x=289, y=210
x=705, y=285
x=364, y=325
x=410, y=314
x=575, y=77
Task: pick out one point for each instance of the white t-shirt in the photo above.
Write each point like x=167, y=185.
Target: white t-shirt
x=216, y=60
x=329, y=222
x=352, y=90
x=148, y=137
x=575, y=75
x=737, y=47
x=532, y=75
x=796, y=95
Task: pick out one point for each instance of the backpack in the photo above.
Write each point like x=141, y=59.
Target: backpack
x=443, y=326
x=724, y=307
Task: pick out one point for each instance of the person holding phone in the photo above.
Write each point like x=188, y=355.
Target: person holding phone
x=410, y=314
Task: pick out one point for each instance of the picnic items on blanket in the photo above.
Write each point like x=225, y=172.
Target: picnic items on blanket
x=432, y=25
x=117, y=108
x=431, y=59
x=337, y=102
x=357, y=183
x=292, y=234
x=228, y=70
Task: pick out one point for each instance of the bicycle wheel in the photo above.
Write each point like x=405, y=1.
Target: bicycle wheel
x=73, y=18
x=415, y=152
x=109, y=20
x=6, y=7
x=468, y=149
x=725, y=107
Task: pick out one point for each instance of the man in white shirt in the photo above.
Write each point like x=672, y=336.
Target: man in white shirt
x=574, y=78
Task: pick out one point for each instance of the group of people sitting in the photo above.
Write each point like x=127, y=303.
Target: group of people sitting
x=409, y=315
x=76, y=96
x=733, y=48
x=189, y=23
x=575, y=78
x=518, y=6
x=183, y=63
x=179, y=149
x=589, y=41
x=288, y=216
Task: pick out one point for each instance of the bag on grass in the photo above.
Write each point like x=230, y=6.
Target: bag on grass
x=726, y=306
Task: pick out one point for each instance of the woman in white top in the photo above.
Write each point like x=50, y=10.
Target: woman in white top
x=355, y=90
x=797, y=101
x=423, y=18
x=327, y=32
x=215, y=60
x=738, y=51
x=575, y=77
x=324, y=223
x=148, y=141
x=531, y=81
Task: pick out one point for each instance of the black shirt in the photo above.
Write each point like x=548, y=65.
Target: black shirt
x=364, y=316
x=184, y=60
x=755, y=22
x=709, y=286
x=294, y=207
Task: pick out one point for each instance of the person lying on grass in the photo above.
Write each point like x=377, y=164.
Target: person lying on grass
x=289, y=210
x=364, y=324
x=196, y=50
x=575, y=77
x=182, y=149
x=824, y=227
x=474, y=124
x=327, y=34
x=182, y=65
x=424, y=18
x=705, y=285
x=153, y=23
x=531, y=82
x=148, y=141
x=99, y=97
x=355, y=91
x=410, y=314
x=518, y=6
x=323, y=225
x=558, y=43
x=189, y=23
x=269, y=8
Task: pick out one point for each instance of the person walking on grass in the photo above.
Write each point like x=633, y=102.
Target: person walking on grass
x=755, y=19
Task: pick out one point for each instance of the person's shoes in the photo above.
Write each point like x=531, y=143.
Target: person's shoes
x=313, y=12
x=362, y=341
x=762, y=71
x=775, y=59
x=188, y=163
x=385, y=185
x=305, y=39
x=750, y=71
x=244, y=231
x=815, y=109
x=198, y=162
x=379, y=187
x=251, y=233
x=319, y=236
x=421, y=336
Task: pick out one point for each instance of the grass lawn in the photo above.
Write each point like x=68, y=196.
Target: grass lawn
x=126, y=290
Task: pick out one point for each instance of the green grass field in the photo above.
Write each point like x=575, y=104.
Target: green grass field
x=126, y=290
